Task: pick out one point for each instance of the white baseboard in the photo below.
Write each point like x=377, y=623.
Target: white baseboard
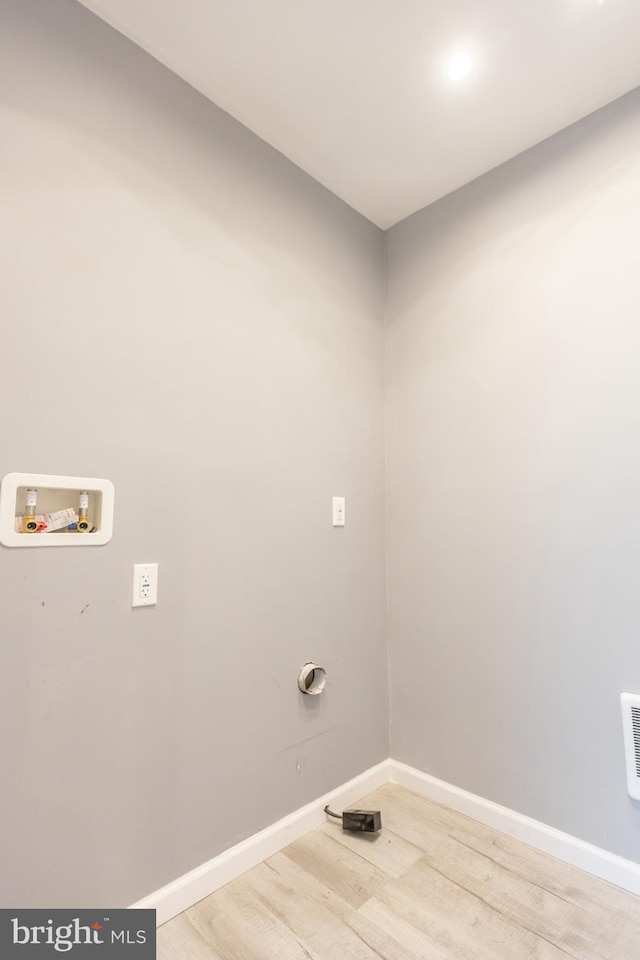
x=594, y=860
x=199, y=883
x=171, y=900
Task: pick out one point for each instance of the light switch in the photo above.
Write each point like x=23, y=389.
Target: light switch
x=338, y=511
x=145, y=585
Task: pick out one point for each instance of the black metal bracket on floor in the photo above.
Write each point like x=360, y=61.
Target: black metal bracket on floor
x=358, y=821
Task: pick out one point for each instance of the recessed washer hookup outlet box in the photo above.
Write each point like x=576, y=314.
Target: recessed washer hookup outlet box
x=42, y=510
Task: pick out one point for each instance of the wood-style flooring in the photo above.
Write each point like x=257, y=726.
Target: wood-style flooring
x=433, y=885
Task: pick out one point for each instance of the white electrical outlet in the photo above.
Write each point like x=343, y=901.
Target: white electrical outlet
x=338, y=511
x=145, y=585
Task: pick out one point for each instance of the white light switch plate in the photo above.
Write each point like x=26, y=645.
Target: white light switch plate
x=338, y=511
x=145, y=585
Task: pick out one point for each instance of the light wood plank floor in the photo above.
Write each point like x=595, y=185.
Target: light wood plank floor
x=433, y=884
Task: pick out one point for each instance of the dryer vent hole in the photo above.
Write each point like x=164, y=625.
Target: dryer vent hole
x=312, y=679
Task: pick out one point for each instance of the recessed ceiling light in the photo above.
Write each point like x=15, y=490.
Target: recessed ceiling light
x=458, y=66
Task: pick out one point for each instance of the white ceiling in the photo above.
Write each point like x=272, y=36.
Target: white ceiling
x=355, y=91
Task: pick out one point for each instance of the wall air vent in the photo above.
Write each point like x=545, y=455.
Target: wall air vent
x=631, y=725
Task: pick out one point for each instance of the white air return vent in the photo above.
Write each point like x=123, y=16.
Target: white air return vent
x=631, y=724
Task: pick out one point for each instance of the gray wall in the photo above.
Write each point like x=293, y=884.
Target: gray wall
x=185, y=313
x=514, y=476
